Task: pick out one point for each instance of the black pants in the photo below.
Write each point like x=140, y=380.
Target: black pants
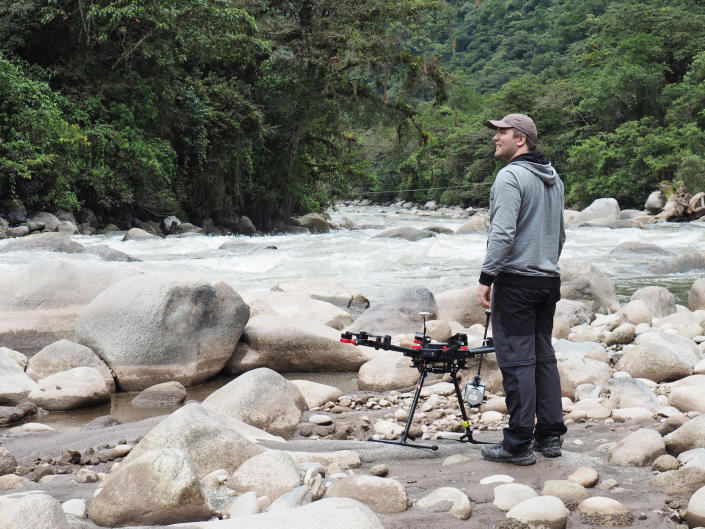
x=522, y=322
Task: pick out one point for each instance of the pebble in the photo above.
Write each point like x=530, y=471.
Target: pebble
x=86, y=475
x=607, y=484
x=320, y=419
x=32, y=427
x=585, y=476
x=496, y=478
x=548, y=511
x=665, y=462
x=508, y=495
x=457, y=459
x=75, y=507
x=380, y=470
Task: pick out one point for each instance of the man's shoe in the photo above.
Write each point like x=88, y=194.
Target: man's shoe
x=497, y=453
x=549, y=447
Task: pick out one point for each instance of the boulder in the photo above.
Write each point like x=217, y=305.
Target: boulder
x=655, y=202
x=636, y=312
x=690, y=435
x=659, y=357
x=40, y=304
x=164, y=395
x=64, y=355
x=585, y=476
x=508, y=495
x=159, y=327
x=460, y=305
x=631, y=393
x=400, y=315
x=67, y=390
x=302, y=306
x=271, y=473
x=688, y=399
x=261, y=398
x=387, y=370
x=316, y=394
x=577, y=370
x=13, y=481
x=685, y=480
x=685, y=323
x=210, y=444
x=447, y=499
x=325, y=290
x=696, y=296
x=382, y=495
x=639, y=248
x=245, y=226
x=405, y=232
x=573, y=312
x=51, y=222
x=680, y=263
x=34, y=509
x=696, y=509
x=584, y=282
x=15, y=385
x=543, y=511
x=16, y=356
x=159, y=487
x=8, y=463
x=138, y=234
x=474, y=224
x=66, y=226
x=110, y=254
x=315, y=223
x=294, y=345
x=47, y=242
x=601, y=212
x=638, y=449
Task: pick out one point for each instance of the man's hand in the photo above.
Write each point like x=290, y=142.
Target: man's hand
x=483, y=295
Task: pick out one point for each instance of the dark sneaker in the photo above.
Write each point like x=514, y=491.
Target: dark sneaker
x=549, y=447
x=498, y=453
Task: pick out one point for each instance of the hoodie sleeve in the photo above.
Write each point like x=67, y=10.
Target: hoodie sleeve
x=504, y=211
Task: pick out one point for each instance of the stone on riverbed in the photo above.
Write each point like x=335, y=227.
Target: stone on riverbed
x=387, y=370
x=382, y=495
x=15, y=385
x=271, y=473
x=316, y=394
x=210, y=444
x=544, y=511
x=34, y=509
x=508, y=495
x=41, y=303
x=18, y=357
x=569, y=492
x=48, y=242
x=159, y=487
x=681, y=263
x=8, y=463
x=600, y=510
x=64, y=355
x=637, y=449
x=659, y=357
x=76, y=388
x=690, y=435
x=602, y=212
x=159, y=327
x=294, y=345
x=688, y=398
x=261, y=398
x=325, y=290
x=658, y=299
x=460, y=305
x=576, y=370
x=164, y=395
x=301, y=305
x=584, y=282
x=405, y=232
x=455, y=500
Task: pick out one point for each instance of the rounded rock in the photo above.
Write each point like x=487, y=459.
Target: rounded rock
x=543, y=511
x=508, y=495
x=600, y=510
x=458, y=502
x=569, y=492
x=585, y=476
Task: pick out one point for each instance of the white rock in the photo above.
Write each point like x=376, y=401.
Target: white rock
x=15, y=385
x=31, y=427
x=75, y=507
x=320, y=419
x=688, y=398
x=316, y=394
x=244, y=505
x=549, y=511
x=491, y=417
x=382, y=495
x=76, y=388
x=605, y=510
x=270, y=473
x=638, y=449
x=496, y=478
x=696, y=509
x=585, y=476
x=460, y=504
x=23, y=510
x=510, y=494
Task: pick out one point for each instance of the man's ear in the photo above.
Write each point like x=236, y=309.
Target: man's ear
x=521, y=141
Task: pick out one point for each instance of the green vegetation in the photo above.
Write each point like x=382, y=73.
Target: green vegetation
x=271, y=108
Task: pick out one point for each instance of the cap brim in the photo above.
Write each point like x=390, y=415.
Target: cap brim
x=497, y=124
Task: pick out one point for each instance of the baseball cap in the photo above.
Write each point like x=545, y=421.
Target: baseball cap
x=521, y=122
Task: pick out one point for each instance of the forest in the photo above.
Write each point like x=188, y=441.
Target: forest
x=277, y=108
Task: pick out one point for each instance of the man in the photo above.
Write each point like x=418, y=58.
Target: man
x=521, y=276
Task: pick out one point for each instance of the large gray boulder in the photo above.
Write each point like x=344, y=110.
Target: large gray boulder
x=159, y=487
x=301, y=305
x=400, y=315
x=138, y=234
x=658, y=299
x=160, y=327
x=315, y=223
x=576, y=370
x=261, y=398
x=460, y=305
x=325, y=290
x=64, y=355
x=637, y=449
x=405, y=232
x=15, y=385
x=655, y=202
x=387, y=370
x=631, y=393
x=50, y=221
x=639, y=248
x=271, y=473
x=47, y=242
x=40, y=304
x=584, y=282
x=681, y=263
x=690, y=435
x=659, y=357
x=210, y=444
x=574, y=312
x=34, y=509
x=382, y=495
x=76, y=388
x=474, y=224
x=602, y=212
x=294, y=345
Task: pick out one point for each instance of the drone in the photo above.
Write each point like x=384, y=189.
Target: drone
x=429, y=356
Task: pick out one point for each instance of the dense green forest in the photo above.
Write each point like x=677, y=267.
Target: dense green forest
x=274, y=108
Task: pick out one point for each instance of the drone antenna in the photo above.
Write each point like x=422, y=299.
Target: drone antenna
x=424, y=315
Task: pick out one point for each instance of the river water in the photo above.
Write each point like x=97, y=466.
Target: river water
x=376, y=267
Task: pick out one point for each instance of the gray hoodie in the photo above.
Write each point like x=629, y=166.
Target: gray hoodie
x=526, y=233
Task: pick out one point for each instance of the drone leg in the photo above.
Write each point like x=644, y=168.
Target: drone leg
x=403, y=442
x=467, y=436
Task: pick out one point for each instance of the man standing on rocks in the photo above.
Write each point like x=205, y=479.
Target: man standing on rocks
x=521, y=276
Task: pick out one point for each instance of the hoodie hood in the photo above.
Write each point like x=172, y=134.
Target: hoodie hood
x=537, y=164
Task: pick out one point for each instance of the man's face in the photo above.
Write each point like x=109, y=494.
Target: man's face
x=507, y=144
